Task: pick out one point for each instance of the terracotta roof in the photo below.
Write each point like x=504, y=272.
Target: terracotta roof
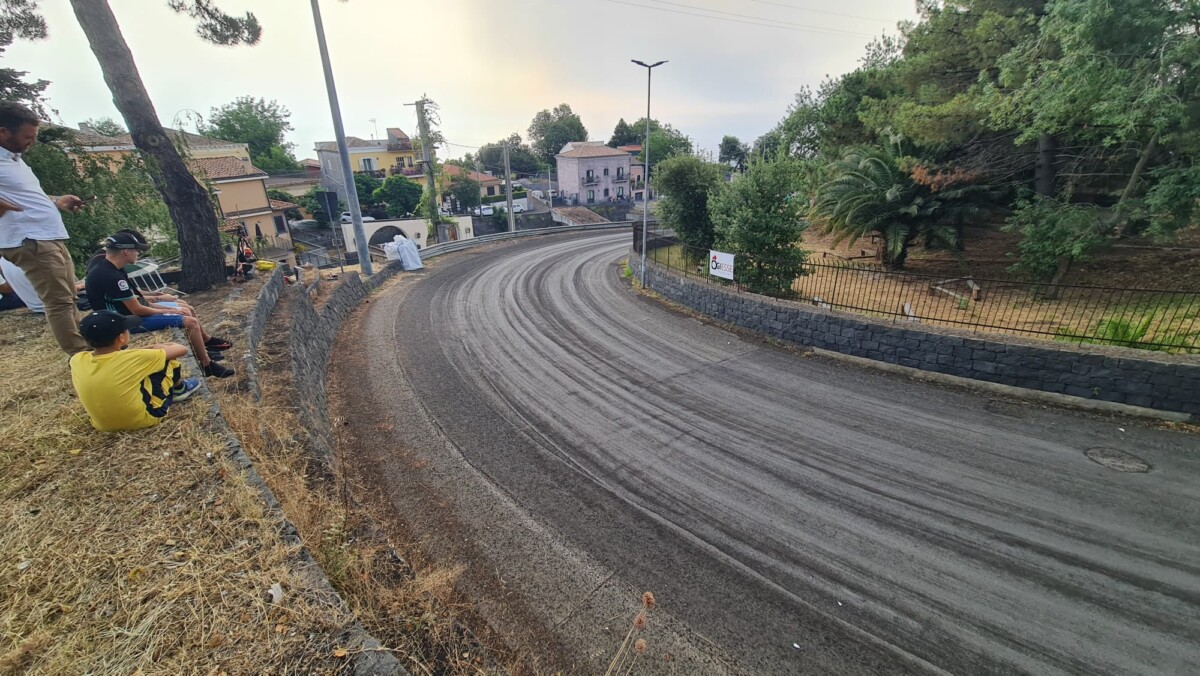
x=594, y=151
x=91, y=139
x=309, y=162
x=397, y=133
x=280, y=205
x=632, y=148
x=228, y=226
x=455, y=170
x=223, y=168
x=351, y=142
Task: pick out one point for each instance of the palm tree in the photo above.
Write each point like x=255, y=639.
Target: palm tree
x=870, y=194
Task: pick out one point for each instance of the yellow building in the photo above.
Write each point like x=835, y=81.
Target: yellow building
x=379, y=158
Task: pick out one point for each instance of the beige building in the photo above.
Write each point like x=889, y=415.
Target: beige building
x=241, y=192
x=225, y=168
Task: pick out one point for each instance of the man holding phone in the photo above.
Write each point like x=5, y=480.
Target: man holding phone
x=32, y=234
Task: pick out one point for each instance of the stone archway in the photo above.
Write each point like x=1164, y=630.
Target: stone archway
x=384, y=235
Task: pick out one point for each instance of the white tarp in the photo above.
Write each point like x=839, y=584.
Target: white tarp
x=406, y=250
x=720, y=264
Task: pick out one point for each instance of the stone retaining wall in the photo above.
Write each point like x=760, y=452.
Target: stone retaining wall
x=310, y=341
x=268, y=296
x=1125, y=376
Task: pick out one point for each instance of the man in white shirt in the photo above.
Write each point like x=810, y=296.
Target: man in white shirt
x=32, y=234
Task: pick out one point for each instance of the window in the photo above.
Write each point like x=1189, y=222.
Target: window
x=620, y=192
x=368, y=164
x=491, y=190
x=620, y=172
x=591, y=174
x=606, y=191
x=591, y=196
x=410, y=162
x=606, y=171
x=280, y=225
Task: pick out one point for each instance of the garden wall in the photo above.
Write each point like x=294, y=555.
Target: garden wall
x=1125, y=376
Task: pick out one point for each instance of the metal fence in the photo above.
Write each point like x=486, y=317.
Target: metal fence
x=1154, y=319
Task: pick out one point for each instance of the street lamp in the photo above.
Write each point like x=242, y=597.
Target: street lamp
x=646, y=148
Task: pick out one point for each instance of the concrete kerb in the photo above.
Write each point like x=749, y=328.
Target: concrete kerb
x=370, y=655
x=1097, y=378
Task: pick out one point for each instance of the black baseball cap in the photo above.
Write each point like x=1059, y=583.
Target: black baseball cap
x=101, y=328
x=124, y=240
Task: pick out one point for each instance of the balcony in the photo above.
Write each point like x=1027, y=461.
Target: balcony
x=591, y=180
x=373, y=173
x=399, y=146
x=621, y=178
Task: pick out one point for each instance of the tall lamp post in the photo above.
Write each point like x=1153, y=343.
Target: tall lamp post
x=360, y=236
x=646, y=191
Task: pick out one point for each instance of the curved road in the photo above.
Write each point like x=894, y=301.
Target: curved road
x=800, y=514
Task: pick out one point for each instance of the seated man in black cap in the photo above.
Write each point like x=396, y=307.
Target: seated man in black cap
x=125, y=389
x=109, y=288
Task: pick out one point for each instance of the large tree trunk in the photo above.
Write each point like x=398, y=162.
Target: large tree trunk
x=189, y=203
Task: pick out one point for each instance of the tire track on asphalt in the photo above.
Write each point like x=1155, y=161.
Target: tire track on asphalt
x=970, y=541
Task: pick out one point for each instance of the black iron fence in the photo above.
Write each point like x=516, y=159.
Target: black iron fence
x=1154, y=319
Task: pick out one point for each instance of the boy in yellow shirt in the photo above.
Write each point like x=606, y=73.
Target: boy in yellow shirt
x=123, y=389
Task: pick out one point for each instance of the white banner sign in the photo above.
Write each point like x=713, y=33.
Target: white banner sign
x=720, y=264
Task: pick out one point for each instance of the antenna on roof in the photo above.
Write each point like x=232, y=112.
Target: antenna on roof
x=376, y=126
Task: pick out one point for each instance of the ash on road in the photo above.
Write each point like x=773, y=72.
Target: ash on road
x=574, y=443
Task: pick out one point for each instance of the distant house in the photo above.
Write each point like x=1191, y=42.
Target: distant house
x=489, y=186
x=377, y=158
x=241, y=191
x=634, y=149
x=593, y=174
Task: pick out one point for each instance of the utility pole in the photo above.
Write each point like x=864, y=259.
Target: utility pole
x=360, y=235
x=426, y=154
x=512, y=223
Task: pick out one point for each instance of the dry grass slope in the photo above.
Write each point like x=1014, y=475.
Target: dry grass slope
x=144, y=552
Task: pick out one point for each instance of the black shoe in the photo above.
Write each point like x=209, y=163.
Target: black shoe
x=214, y=355
x=215, y=343
x=215, y=370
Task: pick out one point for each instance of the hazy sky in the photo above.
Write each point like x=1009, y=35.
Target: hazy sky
x=490, y=65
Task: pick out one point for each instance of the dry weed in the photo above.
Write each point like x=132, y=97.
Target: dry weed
x=140, y=552
x=412, y=612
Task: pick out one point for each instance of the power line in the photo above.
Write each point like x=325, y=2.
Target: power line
x=821, y=11
x=759, y=18
x=757, y=21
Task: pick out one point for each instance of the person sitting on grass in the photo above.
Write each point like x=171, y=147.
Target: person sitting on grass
x=152, y=298
x=109, y=288
x=124, y=389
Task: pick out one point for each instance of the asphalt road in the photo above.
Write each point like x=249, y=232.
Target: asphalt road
x=793, y=514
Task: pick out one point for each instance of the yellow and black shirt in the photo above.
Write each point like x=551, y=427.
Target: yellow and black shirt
x=126, y=390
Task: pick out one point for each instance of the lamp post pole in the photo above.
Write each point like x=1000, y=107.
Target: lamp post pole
x=646, y=149
x=360, y=236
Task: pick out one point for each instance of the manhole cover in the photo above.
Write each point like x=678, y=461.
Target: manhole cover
x=1004, y=408
x=1117, y=460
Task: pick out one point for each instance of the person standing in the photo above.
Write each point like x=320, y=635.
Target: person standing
x=32, y=234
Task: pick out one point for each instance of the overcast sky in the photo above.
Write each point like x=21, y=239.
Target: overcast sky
x=490, y=64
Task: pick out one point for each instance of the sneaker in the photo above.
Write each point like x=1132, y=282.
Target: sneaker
x=186, y=388
x=217, y=371
x=215, y=356
x=215, y=343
